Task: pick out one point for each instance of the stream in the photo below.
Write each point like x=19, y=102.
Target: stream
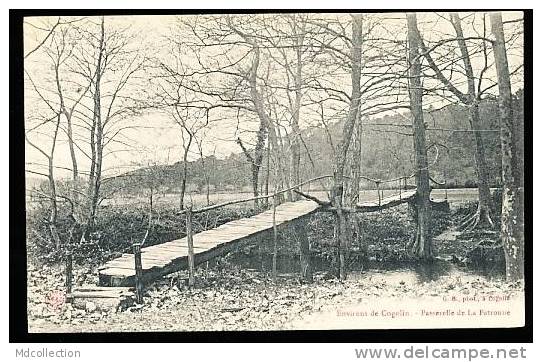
x=289, y=266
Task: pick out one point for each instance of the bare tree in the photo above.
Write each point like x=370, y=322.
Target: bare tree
x=288, y=48
x=108, y=61
x=471, y=99
x=61, y=90
x=59, y=52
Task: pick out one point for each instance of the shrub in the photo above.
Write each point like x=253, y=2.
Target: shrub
x=115, y=230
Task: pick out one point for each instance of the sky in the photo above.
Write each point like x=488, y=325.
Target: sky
x=157, y=137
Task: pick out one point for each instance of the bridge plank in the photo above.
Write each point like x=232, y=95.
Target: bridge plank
x=386, y=202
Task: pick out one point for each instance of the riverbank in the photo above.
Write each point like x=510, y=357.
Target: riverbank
x=236, y=292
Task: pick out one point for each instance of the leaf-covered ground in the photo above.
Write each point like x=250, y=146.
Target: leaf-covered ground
x=232, y=295
x=230, y=298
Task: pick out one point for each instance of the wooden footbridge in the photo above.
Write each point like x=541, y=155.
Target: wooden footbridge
x=161, y=259
x=147, y=264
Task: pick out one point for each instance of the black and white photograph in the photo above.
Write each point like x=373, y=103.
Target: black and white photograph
x=222, y=171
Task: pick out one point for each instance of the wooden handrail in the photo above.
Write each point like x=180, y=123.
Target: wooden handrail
x=385, y=181
x=248, y=199
x=233, y=202
x=435, y=181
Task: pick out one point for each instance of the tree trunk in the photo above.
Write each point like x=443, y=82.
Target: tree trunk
x=356, y=164
x=255, y=180
x=267, y=174
x=54, y=209
x=71, y=145
x=205, y=172
x=422, y=246
x=256, y=160
x=484, y=193
x=96, y=138
x=69, y=129
x=92, y=172
x=281, y=163
x=99, y=160
x=75, y=170
x=296, y=147
x=52, y=185
x=208, y=190
x=341, y=232
x=183, y=187
x=510, y=229
x=185, y=171
x=260, y=107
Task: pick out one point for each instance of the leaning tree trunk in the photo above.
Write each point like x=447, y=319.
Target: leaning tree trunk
x=510, y=228
x=71, y=145
x=483, y=214
x=422, y=244
x=470, y=99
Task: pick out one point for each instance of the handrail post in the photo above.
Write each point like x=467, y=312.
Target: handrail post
x=190, y=241
x=400, y=186
x=378, y=190
x=69, y=272
x=138, y=273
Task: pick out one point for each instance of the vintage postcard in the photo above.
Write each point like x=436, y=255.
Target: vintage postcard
x=274, y=171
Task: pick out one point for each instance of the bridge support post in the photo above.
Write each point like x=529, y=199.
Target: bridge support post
x=190, y=241
x=275, y=236
x=138, y=273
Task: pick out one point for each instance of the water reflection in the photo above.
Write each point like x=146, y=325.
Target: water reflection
x=406, y=271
